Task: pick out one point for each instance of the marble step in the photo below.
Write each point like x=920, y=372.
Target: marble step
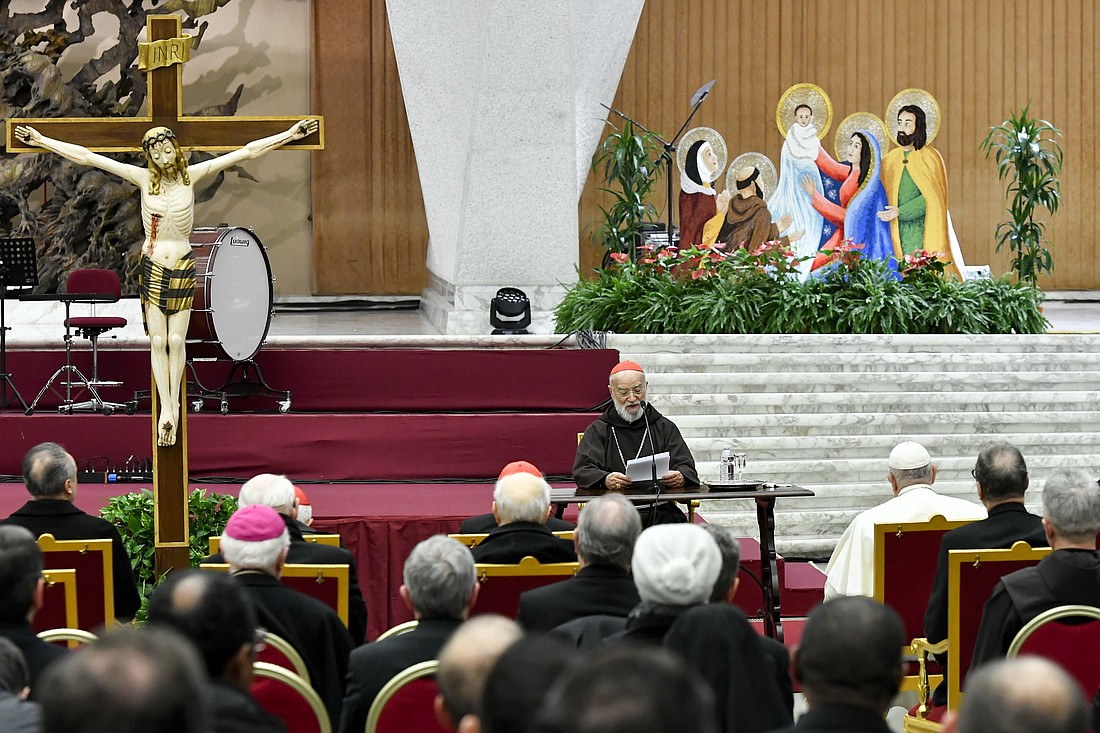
x=860, y=362
x=830, y=402
x=837, y=447
x=870, y=382
x=636, y=346
x=913, y=424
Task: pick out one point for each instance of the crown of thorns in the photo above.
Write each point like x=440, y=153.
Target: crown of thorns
x=158, y=138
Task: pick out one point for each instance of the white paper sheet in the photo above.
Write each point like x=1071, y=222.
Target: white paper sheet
x=641, y=469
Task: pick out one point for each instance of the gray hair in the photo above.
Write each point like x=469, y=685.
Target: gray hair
x=270, y=490
x=906, y=476
x=46, y=468
x=1071, y=501
x=730, y=547
x=607, y=529
x=522, y=497
x=440, y=576
x=263, y=555
x=1022, y=695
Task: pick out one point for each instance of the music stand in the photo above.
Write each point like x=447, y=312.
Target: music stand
x=18, y=270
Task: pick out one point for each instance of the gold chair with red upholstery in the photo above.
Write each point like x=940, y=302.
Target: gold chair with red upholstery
x=1069, y=636
x=59, y=609
x=406, y=702
x=92, y=561
x=278, y=651
x=326, y=583
x=214, y=541
x=289, y=697
x=473, y=540
x=501, y=585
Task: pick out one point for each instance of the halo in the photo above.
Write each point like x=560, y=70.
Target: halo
x=768, y=178
x=804, y=93
x=922, y=99
x=717, y=142
x=867, y=121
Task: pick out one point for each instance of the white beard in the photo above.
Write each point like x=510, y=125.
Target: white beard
x=801, y=141
x=621, y=409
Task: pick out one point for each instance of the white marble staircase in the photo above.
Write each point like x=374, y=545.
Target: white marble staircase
x=824, y=411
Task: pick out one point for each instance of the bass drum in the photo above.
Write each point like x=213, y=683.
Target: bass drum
x=233, y=294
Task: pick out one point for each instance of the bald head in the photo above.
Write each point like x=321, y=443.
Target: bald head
x=521, y=497
x=1021, y=696
x=466, y=659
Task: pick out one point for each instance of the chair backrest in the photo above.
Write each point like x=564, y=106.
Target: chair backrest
x=971, y=577
x=1068, y=636
x=905, y=566
x=326, y=583
x=289, y=697
x=74, y=637
x=214, y=541
x=94, y=282
x=59, y=609
x=398, y=630
x=501, y=585
x=473, y=540
x=278, y=651
x=405, y=703
x=91, y=559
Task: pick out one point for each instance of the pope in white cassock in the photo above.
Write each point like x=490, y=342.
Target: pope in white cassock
x=797, y=160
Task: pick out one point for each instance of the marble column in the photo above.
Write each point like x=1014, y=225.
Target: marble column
x=503, y=101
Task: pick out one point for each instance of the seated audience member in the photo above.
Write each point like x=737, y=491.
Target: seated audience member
x=50, y=476
x=464, y=664
x=521, y=504
x=1070, y=575
x=849, y=666
x=606, y=532
x=1020, y=695
x=632, y=428
x=486, y=522
x=518, y=683
x=675, y=567
x=17, y=714
x=1001, y=475
x=303, y=512
x=129, y=681
x=440, y=587
x=278, y=493
x=255, y=544
x=21, y=587
x=212, y=612
x=629, y=688
x=851, y=568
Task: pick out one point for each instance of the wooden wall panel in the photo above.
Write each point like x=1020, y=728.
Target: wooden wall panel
x=982, y=59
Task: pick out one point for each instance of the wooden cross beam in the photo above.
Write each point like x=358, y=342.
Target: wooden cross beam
x=162, y=57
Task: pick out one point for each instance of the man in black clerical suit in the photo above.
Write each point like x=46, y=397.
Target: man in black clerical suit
x=485, y=522
x=849, y=666
x=1001, y=473
x=21, y=586
x=278, y=493
x=50, y=475
x=440, y=588
x=606, y=531
x=255, y=544
x=1068, y=576
x=521, y=504
x=632, y=428
x=212, y=611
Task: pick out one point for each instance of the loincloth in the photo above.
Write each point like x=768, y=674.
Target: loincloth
x=170, y=289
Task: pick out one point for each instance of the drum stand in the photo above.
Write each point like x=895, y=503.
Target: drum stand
x=242, y=387
x=195, y=392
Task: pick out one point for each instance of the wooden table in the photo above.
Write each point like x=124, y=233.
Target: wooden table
x=765, y=497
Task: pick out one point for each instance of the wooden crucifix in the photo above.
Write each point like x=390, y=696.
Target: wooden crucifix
x=167, y=211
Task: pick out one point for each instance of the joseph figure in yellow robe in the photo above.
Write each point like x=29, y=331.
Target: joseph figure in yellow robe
x=915, y=179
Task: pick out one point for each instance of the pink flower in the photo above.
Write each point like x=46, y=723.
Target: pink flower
x=620, y=257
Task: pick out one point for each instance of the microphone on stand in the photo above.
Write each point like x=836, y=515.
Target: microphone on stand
x=652, y=464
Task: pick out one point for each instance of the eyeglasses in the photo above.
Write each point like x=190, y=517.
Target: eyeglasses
x=637, y=391
x=258, y=643
x=974, y=473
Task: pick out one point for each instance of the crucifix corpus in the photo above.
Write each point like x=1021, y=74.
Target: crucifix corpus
x=167, y=211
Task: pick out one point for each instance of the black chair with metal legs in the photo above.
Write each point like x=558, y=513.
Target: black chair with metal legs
x=85, y=286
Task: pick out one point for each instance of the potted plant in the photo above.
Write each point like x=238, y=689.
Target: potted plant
x=1029, y=154
x=626, y=160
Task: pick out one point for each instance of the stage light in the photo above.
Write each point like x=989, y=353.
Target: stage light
x=510, y=312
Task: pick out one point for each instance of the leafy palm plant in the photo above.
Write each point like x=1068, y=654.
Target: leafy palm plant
x=1029, y=154
x=626, y=160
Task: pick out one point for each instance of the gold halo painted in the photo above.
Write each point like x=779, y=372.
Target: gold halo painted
x=922, y=99
x=717, y=143
x=768, y=178
x=868, y=121
x=804, y=93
